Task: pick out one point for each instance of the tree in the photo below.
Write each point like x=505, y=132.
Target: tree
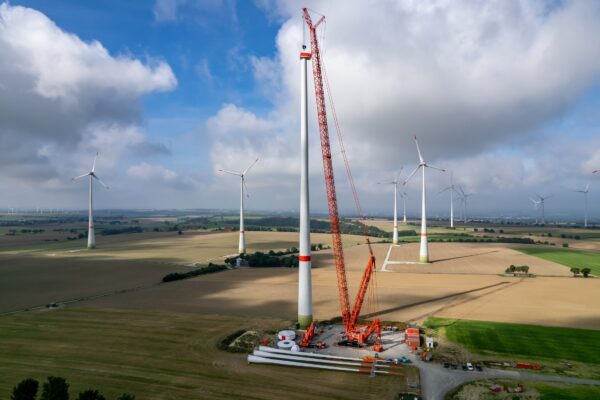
x=91, y=395
x=55, y=389
x=126, y=396
x=575, y=271
x=525, y=268
x=25, y=390
x=586, y=272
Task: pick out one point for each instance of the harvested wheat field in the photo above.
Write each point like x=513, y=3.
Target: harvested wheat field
x=36, y=278
x=469, y=258
x=401, y=296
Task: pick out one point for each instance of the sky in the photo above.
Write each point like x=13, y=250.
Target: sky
x=504, y=93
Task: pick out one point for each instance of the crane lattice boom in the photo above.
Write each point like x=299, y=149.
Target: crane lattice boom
x=349, y=316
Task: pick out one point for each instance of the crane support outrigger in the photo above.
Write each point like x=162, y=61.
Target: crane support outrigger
x=357, y=334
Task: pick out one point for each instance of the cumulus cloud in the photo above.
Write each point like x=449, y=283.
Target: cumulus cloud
x=477, y=82
x=62, y=98
x=156, y=175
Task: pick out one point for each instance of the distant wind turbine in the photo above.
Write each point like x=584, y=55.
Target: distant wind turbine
x=536, y=206
x=585, y=193
x=463, y=198
x=542, y=204
x=424, y=251
x=395, y=183
x=452, y=190
x=92, y=174
x=242, y=175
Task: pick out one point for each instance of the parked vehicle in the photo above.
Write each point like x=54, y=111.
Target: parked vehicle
x=478, y=367
x=446, y=365
x=470, y=367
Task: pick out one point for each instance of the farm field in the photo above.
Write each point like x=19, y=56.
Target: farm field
x=122, y=262
x=481, y=337
x=469, y=258
x=160, y=356
x=401, y=296
x=570, y=258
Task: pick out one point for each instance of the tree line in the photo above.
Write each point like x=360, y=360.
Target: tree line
x=55, y=388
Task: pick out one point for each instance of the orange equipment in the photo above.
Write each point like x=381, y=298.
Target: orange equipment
x=355, y=333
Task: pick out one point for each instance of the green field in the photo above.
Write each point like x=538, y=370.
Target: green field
x=581, y=345
x=161, y=356
x=534, y=390
x=570, y=258
x=567, y=392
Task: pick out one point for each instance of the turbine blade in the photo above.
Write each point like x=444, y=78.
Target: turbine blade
x=246, y=188
x=439, y=169
x=419, y=151
x=251, y=165
x=80, y=176
x=399, y=173
x=230, y=172
x=98, y=179
x=587, y=188
x=94, y=163
x=443, y=190
x=411, y=175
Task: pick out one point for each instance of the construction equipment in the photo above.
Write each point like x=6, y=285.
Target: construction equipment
x=357, y=334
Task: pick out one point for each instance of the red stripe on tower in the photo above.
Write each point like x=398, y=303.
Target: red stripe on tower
x=304, y=258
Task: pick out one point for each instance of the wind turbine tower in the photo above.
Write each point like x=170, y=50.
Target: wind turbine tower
x=242, y=175
x=542, y=204
x=536, y=206
x=452, y=190
x=304, y=261
x=424, y=251
x=585, y=193
x=395, y=183
x=463, y=197
x=403, y=195
x=92, y=174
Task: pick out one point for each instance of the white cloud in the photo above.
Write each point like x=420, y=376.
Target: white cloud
x=62, y=99
x=157, y=175
x=477, y=82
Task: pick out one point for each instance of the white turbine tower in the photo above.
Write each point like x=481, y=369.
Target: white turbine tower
x=542, y=204
x=242, y=175
x=92, y=174
x=536, y=206
x=452, y=190
x=424, y=251
x=395, y=183
x=585, y=193
x=403, y=196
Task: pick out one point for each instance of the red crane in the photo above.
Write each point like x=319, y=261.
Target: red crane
x=359, y=334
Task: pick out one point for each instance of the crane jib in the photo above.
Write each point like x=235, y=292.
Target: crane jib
x=349, y=316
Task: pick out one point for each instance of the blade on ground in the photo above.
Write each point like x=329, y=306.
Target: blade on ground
x=411, y=175
x=251, y=165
